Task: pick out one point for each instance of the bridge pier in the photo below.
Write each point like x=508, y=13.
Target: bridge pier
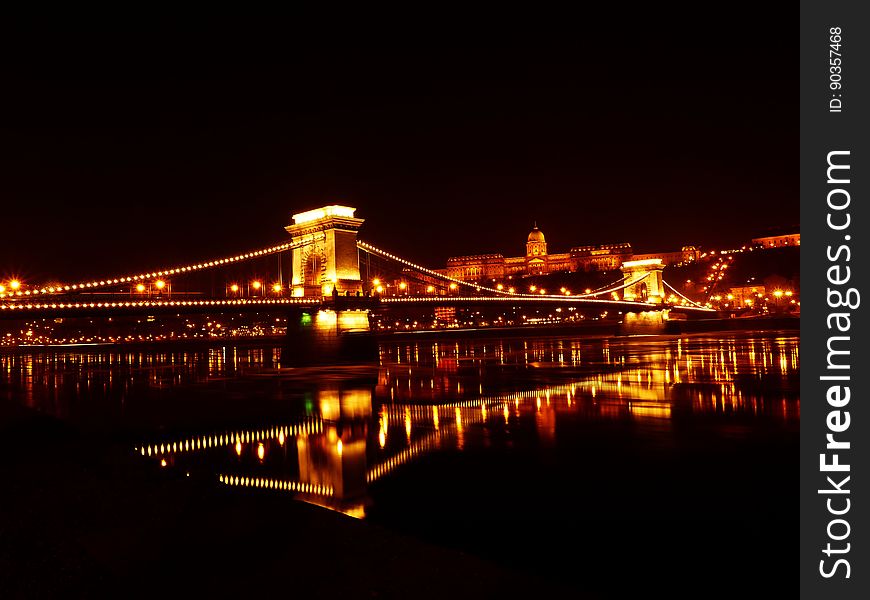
x=647, y=322
x=326, y=336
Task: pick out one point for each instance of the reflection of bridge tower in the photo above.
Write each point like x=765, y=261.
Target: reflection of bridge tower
x=337, y=458
x=327, y=256
x=647, y=278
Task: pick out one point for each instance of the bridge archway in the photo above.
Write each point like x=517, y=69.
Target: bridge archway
x=325, y=255
x=645, y=279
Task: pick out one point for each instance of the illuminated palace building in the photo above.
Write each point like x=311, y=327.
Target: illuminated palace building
x=537, y=261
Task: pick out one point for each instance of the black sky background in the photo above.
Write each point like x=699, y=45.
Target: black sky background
x=139, y=147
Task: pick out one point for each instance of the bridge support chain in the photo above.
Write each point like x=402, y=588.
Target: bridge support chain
x=320, y=336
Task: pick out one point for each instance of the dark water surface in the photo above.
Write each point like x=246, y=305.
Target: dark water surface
x=665, y=465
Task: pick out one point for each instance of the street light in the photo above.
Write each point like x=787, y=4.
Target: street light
x=276, y=287
x=14, y=284
x=160, y=284
x=140, y=287
x=234, y=288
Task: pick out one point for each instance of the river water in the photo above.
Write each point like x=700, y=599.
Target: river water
x=619, y=461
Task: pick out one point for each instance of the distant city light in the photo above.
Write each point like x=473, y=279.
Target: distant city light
x=403, y=285
x=453, y=286
x=376, y=282
x=430, y=289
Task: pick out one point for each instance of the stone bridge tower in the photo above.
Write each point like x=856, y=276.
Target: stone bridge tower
x=327, y=256
x=647, y=278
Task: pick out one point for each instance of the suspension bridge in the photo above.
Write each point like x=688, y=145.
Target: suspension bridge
x=327, y=262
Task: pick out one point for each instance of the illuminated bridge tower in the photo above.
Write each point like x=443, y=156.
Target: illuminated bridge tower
x=647, y=278
x=327, y=256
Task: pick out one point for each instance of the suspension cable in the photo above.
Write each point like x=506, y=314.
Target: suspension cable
x=193, y=267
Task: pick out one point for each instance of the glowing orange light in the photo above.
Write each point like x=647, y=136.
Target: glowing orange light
x=403, y=285
x=162, y=462
x=430, y=289
x=261, y=451
x=2, y=288
x=499, y=287
x=256, y=285
x=239, y=447
x=276, y=287
x=14, y=284
x=140, y=287
x=453, y=286
x=376, y=282
x=234, y=288
x=160, y=284
x=533, y=288
x=777, y=293
x=511, y=290
x=587, y=291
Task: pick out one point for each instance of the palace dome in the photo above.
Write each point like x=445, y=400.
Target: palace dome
x=536, y=235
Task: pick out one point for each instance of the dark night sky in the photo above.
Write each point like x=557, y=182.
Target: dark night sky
x=153, y=146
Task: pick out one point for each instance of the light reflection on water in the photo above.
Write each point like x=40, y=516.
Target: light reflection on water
x=329, y=436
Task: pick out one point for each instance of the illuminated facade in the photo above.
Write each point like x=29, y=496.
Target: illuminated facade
x=778, y=241
x=538, y=261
